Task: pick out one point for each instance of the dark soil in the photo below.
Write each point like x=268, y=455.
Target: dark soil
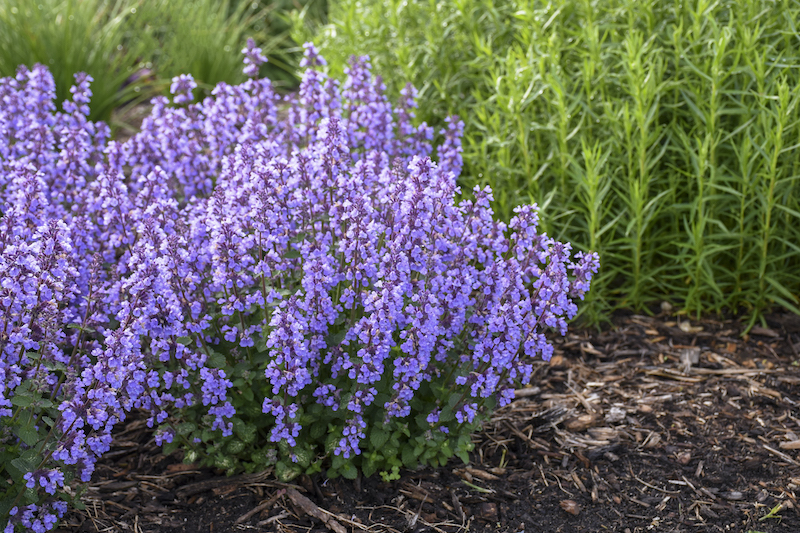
x=650, y=425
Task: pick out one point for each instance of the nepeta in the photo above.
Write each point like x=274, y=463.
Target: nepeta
x=292, y=291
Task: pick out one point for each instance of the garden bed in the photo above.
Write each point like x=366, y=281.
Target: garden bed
x=649, y=425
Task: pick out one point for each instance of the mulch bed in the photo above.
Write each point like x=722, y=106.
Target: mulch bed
x=651, y=424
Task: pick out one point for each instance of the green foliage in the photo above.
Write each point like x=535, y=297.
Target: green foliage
x=204, y=38
x=661, y=134
x=29, y=437
x=70, y=36
x=133, y=48
x=400, y=443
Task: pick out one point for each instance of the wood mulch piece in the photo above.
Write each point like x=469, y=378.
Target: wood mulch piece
x=652, y=424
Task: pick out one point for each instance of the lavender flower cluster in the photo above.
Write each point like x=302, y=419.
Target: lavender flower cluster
x=306, y=245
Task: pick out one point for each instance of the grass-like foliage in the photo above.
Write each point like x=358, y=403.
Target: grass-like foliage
x=133, y=48
x=203, y=38
x=274, y=282
x=70, y=36
x=661, y=133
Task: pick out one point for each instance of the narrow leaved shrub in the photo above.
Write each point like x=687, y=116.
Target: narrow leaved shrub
x=661, y=134
x=285, y=283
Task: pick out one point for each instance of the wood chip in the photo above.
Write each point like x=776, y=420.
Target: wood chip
x=580, y=423
x=781, y=455
x=481, y=474
x=570, y=506
x=526, y=392
x=764, y=332
x=263, y=506
x=311, y=509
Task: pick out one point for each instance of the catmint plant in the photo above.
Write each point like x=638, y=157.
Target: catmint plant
x=288, y=282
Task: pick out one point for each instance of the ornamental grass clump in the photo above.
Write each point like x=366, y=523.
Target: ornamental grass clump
x=285, y=282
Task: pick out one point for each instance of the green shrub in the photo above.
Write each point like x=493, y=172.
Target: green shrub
x=661, y=133
x=113, y=40
x=70, y=36
x=204, y=38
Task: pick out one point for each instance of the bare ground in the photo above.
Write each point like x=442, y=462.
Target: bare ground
x=651, y=424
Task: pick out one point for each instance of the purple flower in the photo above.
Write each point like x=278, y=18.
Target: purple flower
x=253, y=59
x=182, y=87
x=318, y=253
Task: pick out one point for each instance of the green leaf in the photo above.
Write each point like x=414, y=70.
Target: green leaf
x=378, y=438
x=304, y=455
x=186, y=428
x=223, y=462
x=446, y=415
x=286, y=471
x=247, y=393
x=349, y=471
x=260, y=457
x=235, y=447
x=393, y=476
x=334, y=339
x=316, y=431
x=315, y=468
x=19, y=467
x=7, y=503
x=246, y=432
x=216, y=360
x=169, y=447
x=31, y=455
x=368, y=467
x=22, y=400
x=27, y=434
x=408, y=457
x=337, y=462
x=78, y=326
x=331, y=441
x=389, y=451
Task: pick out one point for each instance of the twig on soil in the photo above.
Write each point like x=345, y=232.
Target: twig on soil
x=586, y=405
x=781, y=455
x=311, y=509
x=261, y=479
x=413, y=520
x=271, y=519
x=529, y=441
x=457, y=505
x=646, y=484
x=261, y=507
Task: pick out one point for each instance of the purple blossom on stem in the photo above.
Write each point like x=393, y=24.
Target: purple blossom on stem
x=182, y=87
x=253, y=59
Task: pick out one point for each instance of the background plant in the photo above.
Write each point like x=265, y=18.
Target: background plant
x=70, y=36
x=203, y=38
x=133, y=48
x=662, y=134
